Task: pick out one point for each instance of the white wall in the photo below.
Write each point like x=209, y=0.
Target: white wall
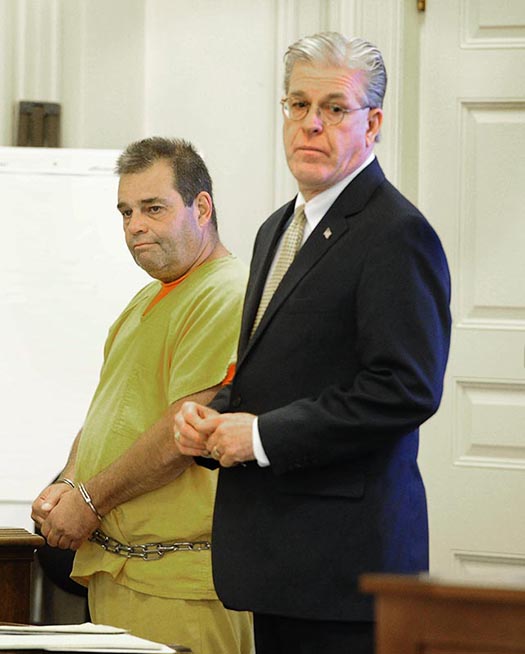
x=66, y=274
x=210, y=78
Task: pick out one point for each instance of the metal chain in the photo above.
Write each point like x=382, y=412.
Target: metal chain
x=147, y=551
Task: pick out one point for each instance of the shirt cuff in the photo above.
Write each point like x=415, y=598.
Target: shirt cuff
x=258, y=449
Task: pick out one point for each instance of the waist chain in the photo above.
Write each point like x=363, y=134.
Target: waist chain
x=146, y=551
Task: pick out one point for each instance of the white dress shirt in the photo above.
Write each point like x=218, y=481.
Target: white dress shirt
x=314, y=211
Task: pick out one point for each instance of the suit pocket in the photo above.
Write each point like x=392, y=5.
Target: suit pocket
x=321, y=482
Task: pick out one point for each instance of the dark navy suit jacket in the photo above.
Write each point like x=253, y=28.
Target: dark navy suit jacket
x=346, y=364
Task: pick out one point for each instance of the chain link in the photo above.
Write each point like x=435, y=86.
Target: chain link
x=146, y=551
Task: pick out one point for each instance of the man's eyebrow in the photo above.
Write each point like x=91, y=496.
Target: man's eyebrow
x=123, y=204
x=153, y=200
x=335, y=95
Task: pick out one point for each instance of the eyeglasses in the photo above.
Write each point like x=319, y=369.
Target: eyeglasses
x=330, y=112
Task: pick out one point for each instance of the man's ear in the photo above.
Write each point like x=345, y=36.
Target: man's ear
x=204, y=205
x=375, y=120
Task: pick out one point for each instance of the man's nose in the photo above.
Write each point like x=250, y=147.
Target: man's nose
x=136, y=223
x=312, y=122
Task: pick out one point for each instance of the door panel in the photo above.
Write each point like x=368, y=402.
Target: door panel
x=472, y=188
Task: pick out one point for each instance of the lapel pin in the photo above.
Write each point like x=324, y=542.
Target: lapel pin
x=327, y=233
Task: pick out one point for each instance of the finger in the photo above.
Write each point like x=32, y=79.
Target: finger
x=50, y=533
x=189, y=413
x=75, y=544
x=197, y=418
x=193, y=451
x=64, y=543
x=176, y=436
x=189, y=442
x=52, y=539
x=210, y=424
x=189, y=438
x=228, y=462
x=38, y=518
x=54, y=494
x=44, y=529
x=41, y=507
x=186, y=432
x=226, y=458
x=206, y=411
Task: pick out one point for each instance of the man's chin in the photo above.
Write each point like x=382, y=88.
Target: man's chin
x=309, y=176
x=146, y=264
x=311, y=185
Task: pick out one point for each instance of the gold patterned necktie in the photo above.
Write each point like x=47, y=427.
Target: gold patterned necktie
x=292, y=240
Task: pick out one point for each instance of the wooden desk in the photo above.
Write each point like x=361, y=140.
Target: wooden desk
x=424, y=616
x=17, y=548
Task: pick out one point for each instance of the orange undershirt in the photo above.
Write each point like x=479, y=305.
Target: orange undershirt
x=165, y=289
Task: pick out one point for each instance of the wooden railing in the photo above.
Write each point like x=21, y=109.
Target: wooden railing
x=415, y=615
x=17, y=548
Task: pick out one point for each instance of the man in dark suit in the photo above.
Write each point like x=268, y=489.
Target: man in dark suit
x=341, y=359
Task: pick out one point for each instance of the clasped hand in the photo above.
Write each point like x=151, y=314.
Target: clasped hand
x=226, y=437
x=64, y=519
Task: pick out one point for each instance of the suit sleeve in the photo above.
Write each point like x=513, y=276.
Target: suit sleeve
x=221, y=401
x=402, y=340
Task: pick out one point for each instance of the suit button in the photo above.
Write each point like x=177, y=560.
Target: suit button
x=236, y=402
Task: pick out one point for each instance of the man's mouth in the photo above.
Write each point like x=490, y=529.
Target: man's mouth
x=309, y=150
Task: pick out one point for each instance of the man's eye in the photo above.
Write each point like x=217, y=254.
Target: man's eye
x=298, y=104
x=335, y=109
x=155, y=208
x=126, y=213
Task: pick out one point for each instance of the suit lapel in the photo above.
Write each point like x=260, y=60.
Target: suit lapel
x=264, y=252
x=331, y=228
x=316, y=247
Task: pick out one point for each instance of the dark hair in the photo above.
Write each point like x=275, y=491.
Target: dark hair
x=190, y=174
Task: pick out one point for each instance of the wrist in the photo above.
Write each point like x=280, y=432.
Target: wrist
x=66, y=480
x=87, y=499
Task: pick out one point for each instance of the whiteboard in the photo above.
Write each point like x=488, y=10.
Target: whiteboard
x=65, y=275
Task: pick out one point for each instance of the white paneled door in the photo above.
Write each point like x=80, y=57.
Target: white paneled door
x=472, y=188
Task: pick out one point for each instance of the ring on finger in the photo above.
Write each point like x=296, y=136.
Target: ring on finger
x=216, y=453
x=177, y=436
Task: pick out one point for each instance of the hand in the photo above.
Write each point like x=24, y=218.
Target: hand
x=230, y=440
x=46, y=501
x=190, y=437
x=70, y=522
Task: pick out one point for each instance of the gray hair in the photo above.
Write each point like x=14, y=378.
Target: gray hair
x=334, y=49
x=190, y=174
